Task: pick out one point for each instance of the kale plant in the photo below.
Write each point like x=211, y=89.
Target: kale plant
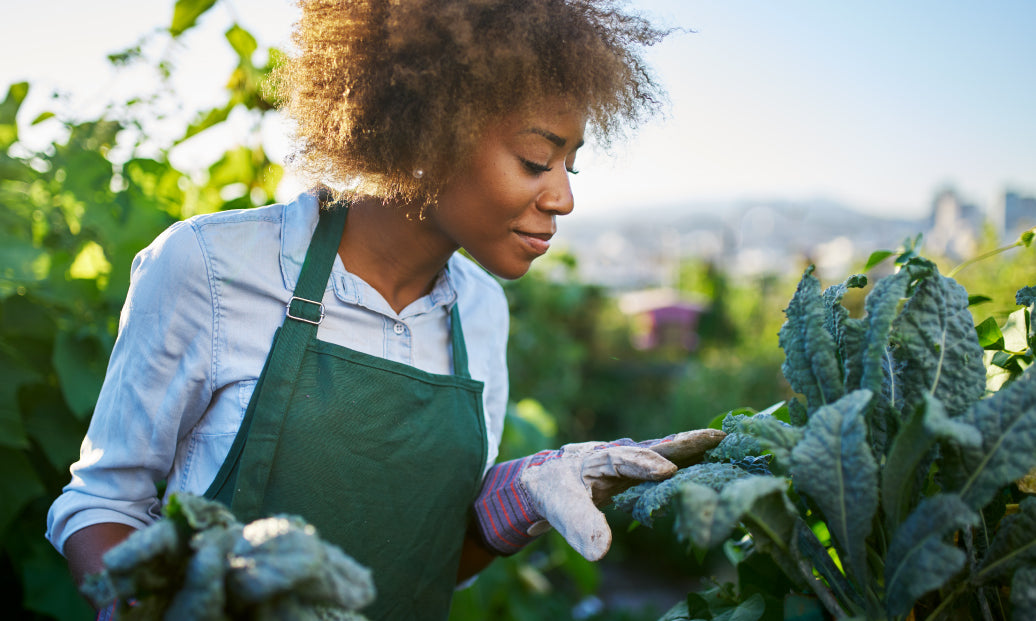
x=897, y=485
x=200, y=563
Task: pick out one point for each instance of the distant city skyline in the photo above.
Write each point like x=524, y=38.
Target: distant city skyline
x=876, y=105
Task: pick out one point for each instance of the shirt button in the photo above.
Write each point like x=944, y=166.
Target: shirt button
x=399, y=328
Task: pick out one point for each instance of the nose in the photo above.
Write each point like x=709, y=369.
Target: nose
x=557, y=197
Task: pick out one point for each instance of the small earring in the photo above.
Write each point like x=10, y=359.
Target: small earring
x=418, y=173
x=409, y=215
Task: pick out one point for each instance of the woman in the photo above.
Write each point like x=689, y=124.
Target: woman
x=377, y=410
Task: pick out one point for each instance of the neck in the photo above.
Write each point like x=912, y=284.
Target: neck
x=400, y=257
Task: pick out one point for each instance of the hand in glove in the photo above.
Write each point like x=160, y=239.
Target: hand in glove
x=521, y=499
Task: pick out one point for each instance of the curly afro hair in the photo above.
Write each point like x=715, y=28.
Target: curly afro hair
x=379, y=88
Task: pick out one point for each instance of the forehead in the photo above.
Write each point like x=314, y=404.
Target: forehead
x=556, y=121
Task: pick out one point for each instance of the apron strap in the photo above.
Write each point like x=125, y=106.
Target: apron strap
x=305, y=306
x=277, y=383
x=460, y=351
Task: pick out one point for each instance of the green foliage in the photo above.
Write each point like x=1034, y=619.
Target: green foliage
x=896, y=486
x=75, y=213
x=73, y=216
x=652, y=498
x=186, y=14
x=200, y=563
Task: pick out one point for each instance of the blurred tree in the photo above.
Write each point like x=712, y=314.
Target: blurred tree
x=73, y=216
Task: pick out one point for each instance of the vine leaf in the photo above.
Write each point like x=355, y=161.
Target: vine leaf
x=877, y=257
x=834, y=466
x=80, y=364
x=919, y=557
x=989, y=334
x=186, y=14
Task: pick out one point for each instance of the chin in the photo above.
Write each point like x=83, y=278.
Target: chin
x=508, y=272
x=511, y=274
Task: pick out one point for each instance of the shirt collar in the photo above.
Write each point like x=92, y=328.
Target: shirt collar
x=298, y=223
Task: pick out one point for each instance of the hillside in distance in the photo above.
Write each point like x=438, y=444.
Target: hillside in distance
x=636, y=248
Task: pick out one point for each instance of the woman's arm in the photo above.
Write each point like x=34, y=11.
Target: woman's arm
x=84, y=548
x=474, y=556
x=158, y=385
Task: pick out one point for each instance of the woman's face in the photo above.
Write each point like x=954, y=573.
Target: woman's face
x=501, y=206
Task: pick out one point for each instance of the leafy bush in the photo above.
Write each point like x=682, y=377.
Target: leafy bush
x=72, y=216
x=894, y=485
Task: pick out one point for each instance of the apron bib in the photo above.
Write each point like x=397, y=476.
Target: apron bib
x=382, y=458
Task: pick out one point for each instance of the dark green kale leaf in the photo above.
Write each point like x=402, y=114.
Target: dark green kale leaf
x=833, y=465
x=652, y=499
x=922, y=557
x=1026, y=296
x=1014, y=545
x=283, y=555
x=937, y=350
x=847, y=332
x=811, y=365
x=203, y=596
x=876, y=367
x=735, y=447
x=1023, y=591
x=911, y=448
x=755, y=436
x=199, y=563
x=707, y=517
x=150, y=561
x=1007, y=422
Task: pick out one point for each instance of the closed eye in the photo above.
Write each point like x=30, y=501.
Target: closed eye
x=535, y=168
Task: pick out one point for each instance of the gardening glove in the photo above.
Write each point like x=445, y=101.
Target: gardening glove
x=523, y=498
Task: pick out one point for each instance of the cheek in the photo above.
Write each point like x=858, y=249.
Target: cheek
x=506, y=188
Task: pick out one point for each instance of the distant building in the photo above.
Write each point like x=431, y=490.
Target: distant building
x=662, y=318
x=954, y=227
x=1019, y=215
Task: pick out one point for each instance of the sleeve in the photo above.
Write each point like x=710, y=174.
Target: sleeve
x=497, y=392
x=158, y=384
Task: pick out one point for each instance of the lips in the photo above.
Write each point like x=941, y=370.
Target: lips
x=537, y=242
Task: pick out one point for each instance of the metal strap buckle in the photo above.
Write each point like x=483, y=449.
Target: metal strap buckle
x=315, y=323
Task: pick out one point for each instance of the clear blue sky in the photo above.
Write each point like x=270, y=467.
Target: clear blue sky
x=877, y=104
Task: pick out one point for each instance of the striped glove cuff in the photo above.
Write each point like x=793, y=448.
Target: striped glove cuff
x=506, y=519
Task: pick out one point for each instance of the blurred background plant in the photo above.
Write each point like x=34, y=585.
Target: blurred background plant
x=75, y=212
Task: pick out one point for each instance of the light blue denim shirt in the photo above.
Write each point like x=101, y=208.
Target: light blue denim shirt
x=204, y=301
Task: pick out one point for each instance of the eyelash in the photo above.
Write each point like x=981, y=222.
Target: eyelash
x=538, y=169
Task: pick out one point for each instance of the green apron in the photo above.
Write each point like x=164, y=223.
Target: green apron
x=382, y=458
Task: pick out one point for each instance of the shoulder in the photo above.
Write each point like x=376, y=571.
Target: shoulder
x=226, y=222
x=235, y=238
x=187, y=236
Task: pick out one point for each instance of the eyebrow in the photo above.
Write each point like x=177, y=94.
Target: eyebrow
x=551, y=136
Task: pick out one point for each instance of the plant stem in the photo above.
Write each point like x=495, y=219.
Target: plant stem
x=947, y=600
x=825, y=595
x=992, y=253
